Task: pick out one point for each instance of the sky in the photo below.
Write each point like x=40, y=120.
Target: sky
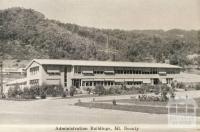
x=118, y=14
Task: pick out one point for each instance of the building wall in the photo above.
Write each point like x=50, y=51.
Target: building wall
x=34, y=76
x=68, y=75
x=56, y=74
x=93, y=74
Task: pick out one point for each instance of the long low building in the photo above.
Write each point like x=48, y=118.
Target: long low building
x=80, y=74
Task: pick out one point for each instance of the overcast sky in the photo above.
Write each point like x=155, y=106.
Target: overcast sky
x=121, y=14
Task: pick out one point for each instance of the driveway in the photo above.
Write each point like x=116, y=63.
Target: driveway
x=54, y=111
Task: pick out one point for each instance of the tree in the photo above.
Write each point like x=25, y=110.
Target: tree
x=164, y=90
x=198, y=61
x=72, y=91
x=198, y=36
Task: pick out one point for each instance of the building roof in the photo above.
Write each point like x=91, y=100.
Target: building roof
x=100, y=63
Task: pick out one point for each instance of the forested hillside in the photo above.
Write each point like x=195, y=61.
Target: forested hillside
x=27, y=34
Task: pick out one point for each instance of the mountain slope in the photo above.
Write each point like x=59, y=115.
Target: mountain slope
x=27, y=34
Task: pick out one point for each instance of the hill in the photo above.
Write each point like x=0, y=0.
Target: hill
x=26, y=34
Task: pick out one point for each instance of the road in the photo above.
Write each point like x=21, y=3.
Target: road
x=54, y=111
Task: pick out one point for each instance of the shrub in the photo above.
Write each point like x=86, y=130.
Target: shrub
x=89, y=90
x=51, y=90
x=64, y=94
x=140, y=90
x=3, y=96
x=156, y=89
x=114, y=102
x=99, y=89
x=181, y=85
x=112, y=90
x=29, y=93
x=197, y=86
x=14, y=92
x=123, y=86
x=164, y=90
x=35, y=91
x=43, y=95
x=72, y=91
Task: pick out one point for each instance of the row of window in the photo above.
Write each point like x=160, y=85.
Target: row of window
x=107, y=83
x=34, y=82
x=54, y=74
x=34, y=70
x=135, y=72
x=123, y=71
x=65, y=76
x=127, y=72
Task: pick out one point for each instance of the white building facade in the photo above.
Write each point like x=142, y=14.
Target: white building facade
x=80, y=74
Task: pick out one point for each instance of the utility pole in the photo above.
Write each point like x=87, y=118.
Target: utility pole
x=1, y=72
x=108, y=50
x=1, y=68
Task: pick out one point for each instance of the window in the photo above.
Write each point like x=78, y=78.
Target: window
x=169, y=80
x=65, y=76
x=137, y=83
x=111, y=83
x=34, y=82
x=170, y=72
x=128, y=72
x=34, y=70
x=88, y=73
x=54, y=74
x=155, y=71
x=87, y=83
x=83, y=83
x=109, y=72
x=145, y=71
x=129, y=83
x=98, y=72
x=77, y=69
x=118, y=83
x=90, y=83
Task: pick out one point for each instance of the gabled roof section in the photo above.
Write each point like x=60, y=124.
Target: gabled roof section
x=100, y=63
x=30, y=63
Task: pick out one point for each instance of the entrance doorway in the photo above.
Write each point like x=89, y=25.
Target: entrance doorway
x=76, y=83
x=155, y=81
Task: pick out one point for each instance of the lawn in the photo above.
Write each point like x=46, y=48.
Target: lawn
x=153, y=107
x=137, y=102
x=135, y=108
